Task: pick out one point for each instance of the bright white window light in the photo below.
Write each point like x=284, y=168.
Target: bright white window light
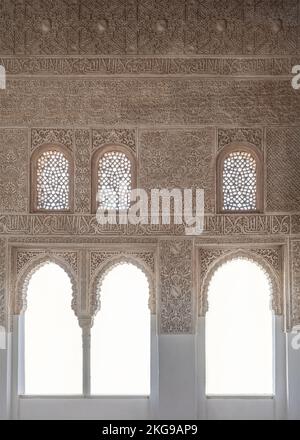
x=53, y=347
x=120, y=348
x=239, y=331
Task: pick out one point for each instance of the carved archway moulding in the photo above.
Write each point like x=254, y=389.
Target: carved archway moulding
x=108, y=261
x=29, y=262
x=268, y=259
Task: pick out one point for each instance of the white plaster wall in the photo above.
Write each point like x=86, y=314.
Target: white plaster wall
x=84, y=408
x=180, y=391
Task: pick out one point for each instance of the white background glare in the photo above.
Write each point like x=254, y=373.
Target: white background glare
x=53, y=347
x=120, y=350
x=239, y=328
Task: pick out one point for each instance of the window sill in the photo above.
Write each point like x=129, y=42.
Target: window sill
x=241, y=396
x=80, y=396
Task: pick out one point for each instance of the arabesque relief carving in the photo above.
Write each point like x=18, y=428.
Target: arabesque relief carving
x=175, y=82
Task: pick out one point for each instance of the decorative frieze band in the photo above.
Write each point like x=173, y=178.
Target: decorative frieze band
x=135, y=65
x=61, y=224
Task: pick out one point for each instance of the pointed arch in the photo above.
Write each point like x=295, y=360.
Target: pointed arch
x=20, y=296
x=276, y=302
x=110, y=264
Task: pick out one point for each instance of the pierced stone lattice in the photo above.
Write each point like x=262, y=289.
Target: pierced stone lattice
x=52, y=181
x=114, y=180
x=239, y=182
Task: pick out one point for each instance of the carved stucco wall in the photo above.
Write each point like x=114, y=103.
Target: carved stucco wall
x=174, y=81
x=149, y=27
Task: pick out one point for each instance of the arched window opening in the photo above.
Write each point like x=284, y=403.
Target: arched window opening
x=53, y=347
x=239, y=180
x=120, y=339
x=51, y=179
x=113, y=178
x=239, y=331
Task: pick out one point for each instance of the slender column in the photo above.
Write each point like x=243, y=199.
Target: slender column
x=86, y=324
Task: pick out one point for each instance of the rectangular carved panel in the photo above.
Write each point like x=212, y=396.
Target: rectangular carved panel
x=148, y=101
x=82, y=176
x=176, y=286
x=2, y=283
x=283, y=165
x=178, y=159
x=14, y=170
x=295, y=288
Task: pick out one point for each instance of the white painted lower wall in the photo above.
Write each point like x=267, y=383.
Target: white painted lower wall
x=178, y=371
x=84, y=408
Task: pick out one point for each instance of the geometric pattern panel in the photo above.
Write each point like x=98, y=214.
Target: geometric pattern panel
x=283, y=165
x=13, y=170
x=41, y=27
x=178, y=159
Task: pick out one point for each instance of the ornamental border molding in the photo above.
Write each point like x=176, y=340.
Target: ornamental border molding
x=217, y=257
x=109, y=260
x=36, y=260
x=86, y=225
x=148, y=65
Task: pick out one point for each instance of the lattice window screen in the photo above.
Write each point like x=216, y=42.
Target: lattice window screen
x=52, y=181
x=239, y=182
x=114, y=181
